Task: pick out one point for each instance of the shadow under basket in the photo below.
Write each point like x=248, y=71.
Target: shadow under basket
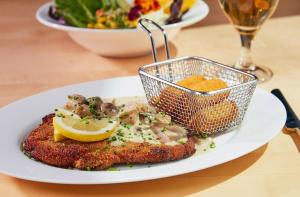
x=201, y=112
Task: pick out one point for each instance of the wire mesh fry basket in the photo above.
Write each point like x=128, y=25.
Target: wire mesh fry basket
x=211, y=112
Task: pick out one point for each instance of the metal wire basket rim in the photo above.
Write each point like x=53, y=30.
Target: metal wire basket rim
x=198, y=93
x=198, y=58
x=194, y=92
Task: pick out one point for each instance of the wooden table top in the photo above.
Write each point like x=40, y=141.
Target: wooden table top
x=35, y=58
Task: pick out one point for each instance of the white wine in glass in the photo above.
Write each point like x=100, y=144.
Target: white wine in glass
x=247, y=16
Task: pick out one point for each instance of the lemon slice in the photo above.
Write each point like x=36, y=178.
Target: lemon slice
x=57, y=136
x=67, y=124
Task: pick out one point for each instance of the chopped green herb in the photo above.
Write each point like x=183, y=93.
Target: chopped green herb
x=162, y=113
x=112, y=139
x=84, y=119
x=110, y=121
x=60, y=115
x=204, y=149
x=120, y=134
x=164, y=129
x=130, y=165
x=149, y=138
x=212, y=145
x=55, y=109
x=121, y=139
x=93, y=109
x=127, y=126
x=88, y=168
x=112, y=169
x=204, y=135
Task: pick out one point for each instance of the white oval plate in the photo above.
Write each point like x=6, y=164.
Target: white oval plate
x=263, y=120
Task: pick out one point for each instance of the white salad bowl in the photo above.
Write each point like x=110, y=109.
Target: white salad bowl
x=121, y=42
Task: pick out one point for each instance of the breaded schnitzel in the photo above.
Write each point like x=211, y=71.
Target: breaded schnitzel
x=97, y=155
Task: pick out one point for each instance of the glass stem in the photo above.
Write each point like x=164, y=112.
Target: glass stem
x=245, y=60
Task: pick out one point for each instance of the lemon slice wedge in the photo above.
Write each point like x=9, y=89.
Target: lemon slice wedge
x=69, y=125
x=57, y=136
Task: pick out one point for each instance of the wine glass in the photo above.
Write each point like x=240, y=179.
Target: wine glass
x=247, y=16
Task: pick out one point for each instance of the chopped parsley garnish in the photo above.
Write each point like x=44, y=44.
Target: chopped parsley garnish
x=112, y=139
x=88, y=168
x=120, y=133
x=121, y=139
x=127, y=126
x=130, y=165
x=60, y=115
x=84, y=119
x=181, y=142
x=93, y=109
x=204, y=135
x=212, y=145
x=162, y=113
x=110, y=121
x=164, y=129
x=112, y=169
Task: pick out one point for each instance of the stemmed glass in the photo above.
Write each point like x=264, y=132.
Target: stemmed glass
x=247, y=16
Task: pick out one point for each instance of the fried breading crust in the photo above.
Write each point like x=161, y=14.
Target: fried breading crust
x=97, y=155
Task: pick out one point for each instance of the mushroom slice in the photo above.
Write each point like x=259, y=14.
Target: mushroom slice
x=163, y=118
x=95, y=101
x=177, y=129
x=77, y=98
x=162, y=136
x=109, y=109
x=82, y=110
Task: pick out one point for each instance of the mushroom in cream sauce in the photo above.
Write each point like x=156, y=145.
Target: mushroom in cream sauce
x=139, y=122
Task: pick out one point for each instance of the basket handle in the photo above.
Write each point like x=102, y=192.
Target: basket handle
x=154, y=51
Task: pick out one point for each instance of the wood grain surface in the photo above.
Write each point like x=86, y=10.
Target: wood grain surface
x=35, y=58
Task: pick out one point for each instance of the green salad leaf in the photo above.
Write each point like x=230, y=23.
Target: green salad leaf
x=114, y=4
x=78, y=12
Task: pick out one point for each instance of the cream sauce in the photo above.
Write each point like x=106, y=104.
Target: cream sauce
x=205, y=145
x=123, y=134
x=138, y=133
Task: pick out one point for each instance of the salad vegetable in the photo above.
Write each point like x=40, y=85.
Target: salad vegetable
x=112, y=14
